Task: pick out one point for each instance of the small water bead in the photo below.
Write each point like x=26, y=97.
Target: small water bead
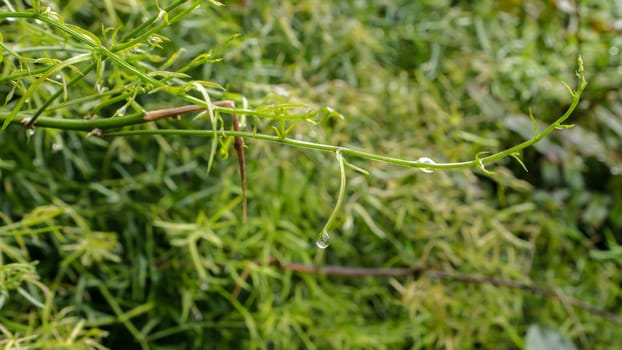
x=426, y=160
x=121, y=111
x=323, y=241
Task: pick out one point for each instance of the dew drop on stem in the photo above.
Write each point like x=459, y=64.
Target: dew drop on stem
x=426, y=160
x=121, y=111
x=323, y=241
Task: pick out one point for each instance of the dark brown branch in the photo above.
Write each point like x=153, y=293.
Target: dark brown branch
x=437, y=275
x=441, y=275
x=238, y=144
x=171, y=112
x=349, y=271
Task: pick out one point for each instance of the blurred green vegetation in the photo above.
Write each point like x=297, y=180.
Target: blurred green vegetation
x=129, y=242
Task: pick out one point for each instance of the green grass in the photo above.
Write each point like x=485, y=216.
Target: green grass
x=127, y=240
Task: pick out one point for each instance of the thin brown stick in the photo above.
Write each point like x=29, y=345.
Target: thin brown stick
x=443, y=275
x=527, y=287
x=171, y=112
x=348, y=271
x=238, y=143
x=238, y=286
x=417, y=272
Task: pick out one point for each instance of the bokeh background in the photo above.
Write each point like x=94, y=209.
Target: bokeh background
x=138, y=246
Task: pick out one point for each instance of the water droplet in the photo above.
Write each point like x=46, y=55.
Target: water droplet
x=121, y=111
x=323, y=241
x=57, y=147
x=426, y=160
x=30, y=132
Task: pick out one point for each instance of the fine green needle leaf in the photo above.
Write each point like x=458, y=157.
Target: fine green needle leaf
x=516, y=156
x=572, y=92
x=87, y=36
x=534, y=122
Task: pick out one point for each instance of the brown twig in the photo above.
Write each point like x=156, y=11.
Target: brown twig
x=441, y=275
x=238, y=144
x=349, y=271
x=438, y=275
x=171, y=112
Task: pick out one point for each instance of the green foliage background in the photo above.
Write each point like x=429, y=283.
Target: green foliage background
x=129, y=242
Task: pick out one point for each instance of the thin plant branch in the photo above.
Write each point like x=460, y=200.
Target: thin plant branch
x=420, y=272
x=238, y=145
x=105, y=124
x=171, y=112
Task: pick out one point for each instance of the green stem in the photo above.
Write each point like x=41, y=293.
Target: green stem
x=311, y=145
x=110, y=123
x=340, y=196
x=576, y=95
x=558, y=123
x=78, y=124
